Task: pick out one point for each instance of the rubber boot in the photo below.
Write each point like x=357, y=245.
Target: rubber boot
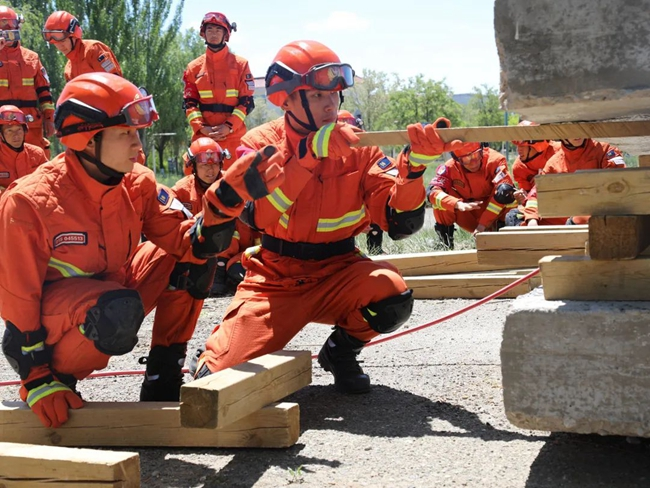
x=446, y=234
x=164, y=376
x=374, y=240
x=220, y=285
x=339, y=356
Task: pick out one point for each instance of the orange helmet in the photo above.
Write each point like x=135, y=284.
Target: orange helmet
x=306, y=65
x=10, y=16
x=538, y=145
x=60, y=25
x=466, y=149
x=12, y=115
x=348, y=118
x=204, y=150
x=217, y=18
x=93, y=102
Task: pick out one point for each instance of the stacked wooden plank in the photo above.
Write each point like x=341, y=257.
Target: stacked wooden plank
x=615, y=267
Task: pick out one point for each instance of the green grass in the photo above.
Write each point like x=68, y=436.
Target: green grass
x=424, y=241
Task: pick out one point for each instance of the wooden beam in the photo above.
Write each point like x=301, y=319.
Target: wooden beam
x=522, y=249
x=469, y=285
x=149, y=424
x=27, y=465
x=537, y=228
x=573, y=130
x=644, y=161
x=618, y=236
x=440, y=262
x=595, y=192
x=221, y=398
x=581, y=278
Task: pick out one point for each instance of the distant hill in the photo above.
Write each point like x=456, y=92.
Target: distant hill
x=462, y=98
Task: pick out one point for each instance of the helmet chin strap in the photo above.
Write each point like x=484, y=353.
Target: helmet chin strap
x=114, y=177
x=216, y=47
x=311, y=126
x=16, y=149
x=571, y=147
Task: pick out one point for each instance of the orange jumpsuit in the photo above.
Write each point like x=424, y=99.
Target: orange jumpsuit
x=25, y=84
x=89, y=56
x=67, y=239
x=593, y=155
x=15, y=164
x=219, y=89
x=524, y=173
x=281, y=294
x=453, y=183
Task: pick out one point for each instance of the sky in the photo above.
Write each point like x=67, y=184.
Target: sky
x=451, y=40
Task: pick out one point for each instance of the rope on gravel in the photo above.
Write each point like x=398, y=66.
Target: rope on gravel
x=496, y=294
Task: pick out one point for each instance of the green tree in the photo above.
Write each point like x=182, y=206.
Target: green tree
x=369, y=98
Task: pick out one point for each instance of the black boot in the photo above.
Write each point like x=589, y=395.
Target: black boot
x=446, y=234
x=374, y=240
x=220, y=285
x=164, y=376
x=339, y=356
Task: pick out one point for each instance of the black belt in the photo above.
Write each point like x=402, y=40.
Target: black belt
x=216, y=107
x=20, y=103
x=307, y=250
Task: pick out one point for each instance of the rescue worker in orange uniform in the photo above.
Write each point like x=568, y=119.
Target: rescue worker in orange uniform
x=24, y=83
x=75, y=283
x=307, y=268
x=218, y=93
x=574, y=155
x=17, y=158
x=472, y=189
x=63, y=31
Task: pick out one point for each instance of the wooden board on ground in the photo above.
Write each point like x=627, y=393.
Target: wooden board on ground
x=29, y=466
x=440, y=262
x=618, y=236
x=527, y=248
x=581, y=278
x=595, y=192
x=228, y=395
x=644, y=161
x=573, y=130
x=470, y=285
x=149, y=424
x=537, y=228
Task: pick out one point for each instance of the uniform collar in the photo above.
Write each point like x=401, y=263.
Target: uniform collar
x=93, y=188
x=76, y=50
x=218, y=55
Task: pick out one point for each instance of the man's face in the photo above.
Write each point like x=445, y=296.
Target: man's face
x=526, y=152
x=14, y=135
x=214, y=34
x=323, y=105
x=120, y=148
x=472, y=162
x=574, y=142
x=207, y=172
x=65, y=46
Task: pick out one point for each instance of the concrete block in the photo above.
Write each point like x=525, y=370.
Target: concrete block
x=574, y=60
x=577, y=366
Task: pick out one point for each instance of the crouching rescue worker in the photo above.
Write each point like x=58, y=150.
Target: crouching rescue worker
x=307, y=268
x=472, y=189
x=75, y=284
x=17, y=158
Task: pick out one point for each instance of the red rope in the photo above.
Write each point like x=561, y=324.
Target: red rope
x=496, y=294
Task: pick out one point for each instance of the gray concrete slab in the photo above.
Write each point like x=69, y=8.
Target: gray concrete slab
x=575, y=366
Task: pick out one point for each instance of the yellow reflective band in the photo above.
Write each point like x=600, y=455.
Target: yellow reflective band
x=194, y=115
x=82, y=329
x=28, y=81
x=67, y=270
x=531, y=204
x=373, y=314
x=205, y=93
x=437, y=204
x=238, y=113
x=494, y=208
x=251, y=251
x=284, y=221
x=44, y=390
x=39, y=346
x=419, y=159
x=236, y=235
x=232, y=93
x=347, y=220
x=320, y=144
x=47, y=106
x=4, y=83
x=279, y=200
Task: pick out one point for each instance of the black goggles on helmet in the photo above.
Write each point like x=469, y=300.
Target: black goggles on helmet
x=139, y=113
x=325, y=77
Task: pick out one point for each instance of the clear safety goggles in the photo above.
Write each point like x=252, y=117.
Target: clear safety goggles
x=470, y=158
x=55, y=35
x=139, y=113
x=11, y=23
x=16, y=117
x=209, y=157
x=526, y=143
x=325, y=77
x=215, y=18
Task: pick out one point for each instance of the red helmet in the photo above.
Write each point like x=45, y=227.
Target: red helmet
x=12, y=115
x=538, y=145
x=217, y=18
x=93, y=102
x=204, y=150
x=306, y=65
x=9, y=15
x=60, y=25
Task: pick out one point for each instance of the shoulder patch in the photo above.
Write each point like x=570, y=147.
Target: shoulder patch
x=163, y=196
x=70, y=238
x=44, y=73
x=442, y=170
x=384, y=162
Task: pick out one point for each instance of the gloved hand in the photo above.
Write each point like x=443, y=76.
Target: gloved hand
x=252, y=176
x=48, y=127
x=330, y=141
x=50, y=401
x=426, y=144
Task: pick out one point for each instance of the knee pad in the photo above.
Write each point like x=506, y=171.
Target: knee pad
x=196, y=279
x=389, y=314
x=514, y=218
x=404, y=224
x=113, y=323
x=25, y=350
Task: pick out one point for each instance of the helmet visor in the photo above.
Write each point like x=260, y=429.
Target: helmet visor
x=55, y=35
x=9, y=24
x=215, y=18
x=330, y=76
x=139, y=113
x=209, y=157
x=15, y=118
x=526, y=143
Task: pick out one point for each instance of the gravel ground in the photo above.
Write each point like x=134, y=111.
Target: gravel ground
x=434, y=418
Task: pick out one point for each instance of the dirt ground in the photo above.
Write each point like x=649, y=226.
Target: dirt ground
x=434, y=418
